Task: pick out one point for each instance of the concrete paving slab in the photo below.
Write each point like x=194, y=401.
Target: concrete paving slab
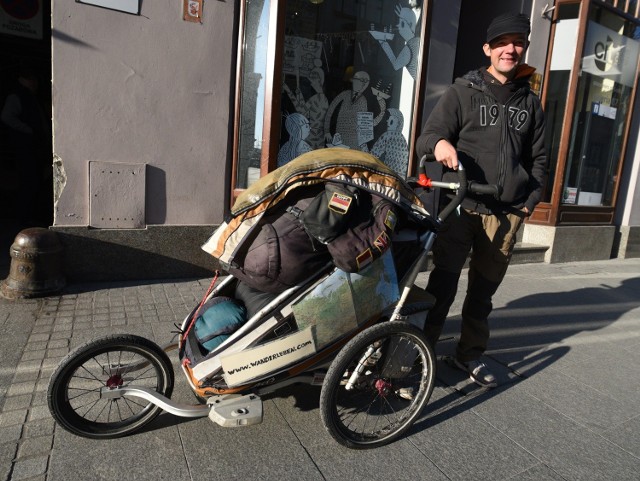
x=539, y=472
x=574, y=452
x=269, y=451
x=299, y=406
x=603, y=367
x=465, y=446
x=151, y=455
x=570, y=331
x=400, y=460
x=8, y=449
x=626, y=436
x=585, y=405
x=24, y=468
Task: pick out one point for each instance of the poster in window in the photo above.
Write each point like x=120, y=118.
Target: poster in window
x=21, y=18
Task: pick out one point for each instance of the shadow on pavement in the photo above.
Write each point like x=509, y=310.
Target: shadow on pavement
x=527, y=337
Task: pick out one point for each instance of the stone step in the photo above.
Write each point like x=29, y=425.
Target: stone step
x=524, y=253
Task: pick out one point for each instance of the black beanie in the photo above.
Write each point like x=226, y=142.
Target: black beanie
x=508, y=23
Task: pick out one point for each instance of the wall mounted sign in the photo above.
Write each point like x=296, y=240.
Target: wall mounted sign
x=128, y=6
x=608, y=54
x=21, y=18
x=192, y=10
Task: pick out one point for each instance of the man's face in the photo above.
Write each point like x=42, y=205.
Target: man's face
x=359, y=82
x=506, y=52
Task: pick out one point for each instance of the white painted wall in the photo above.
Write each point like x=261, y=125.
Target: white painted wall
x=150, y=89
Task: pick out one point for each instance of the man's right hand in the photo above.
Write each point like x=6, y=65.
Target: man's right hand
x=446, y=154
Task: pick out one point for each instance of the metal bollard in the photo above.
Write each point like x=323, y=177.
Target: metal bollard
x=36, y=265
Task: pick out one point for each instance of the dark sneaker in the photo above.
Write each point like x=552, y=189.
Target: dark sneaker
x=478, y=372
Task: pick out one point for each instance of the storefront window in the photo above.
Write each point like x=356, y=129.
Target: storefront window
x=349, y=76
x=348, y=80
x=564, y=48
x=254, y=68
x=607, y=77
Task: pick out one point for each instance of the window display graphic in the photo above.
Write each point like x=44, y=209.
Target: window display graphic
x=354, y=128
x=408, y=56
x=347, y=79
x=391, y=147
x=302, y=59
x=298, y=129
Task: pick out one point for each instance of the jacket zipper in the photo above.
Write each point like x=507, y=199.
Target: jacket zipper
x=504, y=134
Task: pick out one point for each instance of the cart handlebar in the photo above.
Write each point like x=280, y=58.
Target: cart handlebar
x=461, y=187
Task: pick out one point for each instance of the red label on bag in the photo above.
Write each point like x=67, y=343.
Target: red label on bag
x=340, y=203
x=364, y=259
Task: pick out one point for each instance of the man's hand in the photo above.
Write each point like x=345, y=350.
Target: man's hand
x=446, y=154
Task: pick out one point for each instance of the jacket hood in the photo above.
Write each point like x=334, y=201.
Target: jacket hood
x=475, y=78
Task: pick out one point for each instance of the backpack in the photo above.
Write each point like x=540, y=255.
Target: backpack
x=280, y=254
x=355, y=225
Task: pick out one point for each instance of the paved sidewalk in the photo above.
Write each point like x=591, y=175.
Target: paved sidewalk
x=565, y=346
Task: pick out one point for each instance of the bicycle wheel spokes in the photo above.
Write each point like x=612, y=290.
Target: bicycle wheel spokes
x=109, y=370
x=75, y=393
x=387, y=395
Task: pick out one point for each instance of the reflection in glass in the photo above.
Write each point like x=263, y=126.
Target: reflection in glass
x=253, y=90
x=564, y=51
x=606, y=81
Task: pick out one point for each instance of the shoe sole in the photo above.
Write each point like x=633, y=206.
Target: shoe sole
x=463, y=368
x=401, y=393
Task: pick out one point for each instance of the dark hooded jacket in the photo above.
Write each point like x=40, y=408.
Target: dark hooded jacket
x=497, y=143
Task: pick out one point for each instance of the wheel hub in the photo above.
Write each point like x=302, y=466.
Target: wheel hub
x=115, y=381
x=383, y=387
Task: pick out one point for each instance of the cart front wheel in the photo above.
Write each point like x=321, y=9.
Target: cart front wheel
x=377, y=385
x=75, y=388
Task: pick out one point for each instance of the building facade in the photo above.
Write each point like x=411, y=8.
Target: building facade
x=164, y=112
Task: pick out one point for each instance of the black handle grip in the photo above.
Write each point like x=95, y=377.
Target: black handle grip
x=489, y=189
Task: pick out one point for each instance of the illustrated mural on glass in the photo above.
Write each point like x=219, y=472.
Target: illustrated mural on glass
x=408, y=56
x=349, y=71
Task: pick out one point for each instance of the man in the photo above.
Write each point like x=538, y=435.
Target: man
x=349, y=104
x=492, y=123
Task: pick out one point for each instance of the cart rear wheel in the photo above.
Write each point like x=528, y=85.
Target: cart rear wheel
x=396, y=376
x=74, y=393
